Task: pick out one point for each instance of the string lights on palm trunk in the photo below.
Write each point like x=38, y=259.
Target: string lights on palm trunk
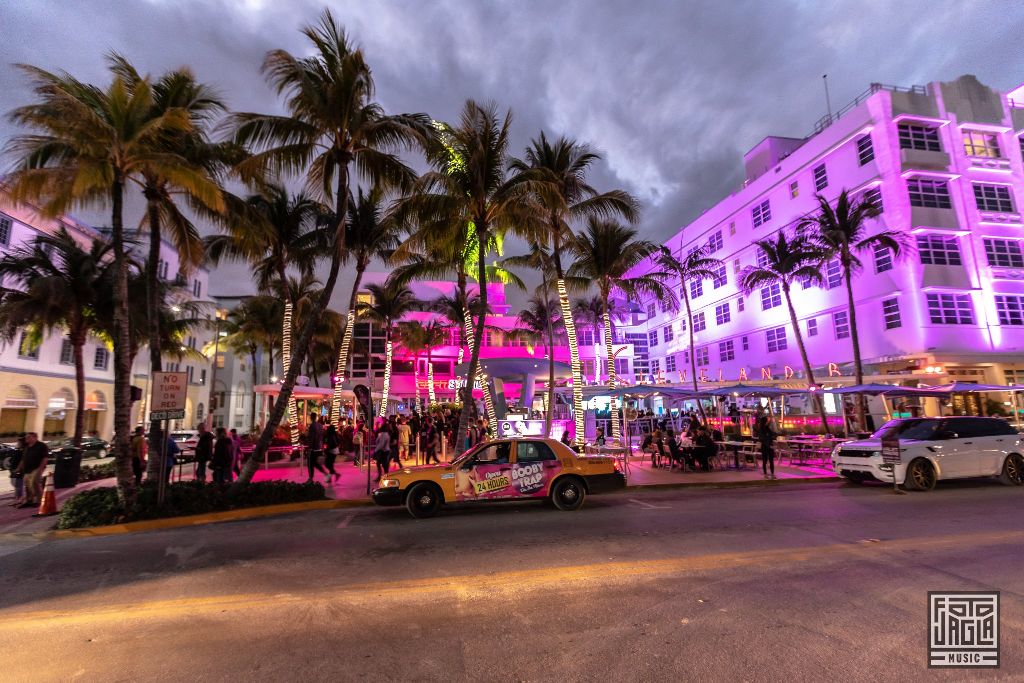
x=286, y=361
x=574, y=360
x=339, y=371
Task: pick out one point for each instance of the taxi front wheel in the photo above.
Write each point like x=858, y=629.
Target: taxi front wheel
x=423, y=500
x=568, y=493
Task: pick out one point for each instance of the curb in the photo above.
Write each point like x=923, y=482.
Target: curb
x=734, y=484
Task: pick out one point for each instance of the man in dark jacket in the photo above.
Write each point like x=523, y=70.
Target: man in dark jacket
x=204, y=451
x=223, y=450
x=33, y=464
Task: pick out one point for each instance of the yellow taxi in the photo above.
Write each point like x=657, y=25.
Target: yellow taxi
x=504, y=469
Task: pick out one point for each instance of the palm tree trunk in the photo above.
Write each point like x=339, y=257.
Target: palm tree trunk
x=693, y=354
x=475, y=342
x=570, y=333
x=153, y=304
x=431, y=394
x=549, y=414
x=286, y=360
x=255, y=381
x=613, y=408
x=858, y=365
x=122, y=351
x=819, y=402
x=77, y=344
x=346, y=342
x=388, y=356
x=416, y=378
x=319, y=306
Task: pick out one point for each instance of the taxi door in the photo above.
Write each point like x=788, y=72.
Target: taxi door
x=535, y=467
x=486, y=474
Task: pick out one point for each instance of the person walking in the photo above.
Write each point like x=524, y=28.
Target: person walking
x=34, y=458
x=137, y=447
x=315, y=445
x=223, y=450
x=332, y=447
x=204, y=451
x=393, y=436
x=236, y=452
x=17, y=476
x=766, y=436
x=171, y=452
x=382, y=451
x=404, y=439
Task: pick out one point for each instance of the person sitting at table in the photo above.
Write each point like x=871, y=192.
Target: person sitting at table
x=705, y=447
x=658, y=451
x=674, y=451
x=599, y=439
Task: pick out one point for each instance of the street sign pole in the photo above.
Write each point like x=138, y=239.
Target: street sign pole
x=161, y=489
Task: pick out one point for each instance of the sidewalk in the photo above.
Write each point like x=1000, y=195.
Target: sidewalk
x=352, y=485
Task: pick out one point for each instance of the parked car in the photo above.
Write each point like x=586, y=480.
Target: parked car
x=934, y=449
x=505, y=469
x=7, y=451
x=92, y=447
x=186, y=440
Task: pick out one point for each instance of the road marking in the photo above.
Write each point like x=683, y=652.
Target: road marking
x=348, y=519
x=649, y=506
x=469, y=586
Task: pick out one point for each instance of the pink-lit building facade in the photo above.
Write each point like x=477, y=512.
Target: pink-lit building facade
x=945, y=160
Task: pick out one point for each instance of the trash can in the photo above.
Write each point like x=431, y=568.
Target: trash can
x=66, y=468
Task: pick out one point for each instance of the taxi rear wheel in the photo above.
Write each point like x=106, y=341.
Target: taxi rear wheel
x=568, y=494
x=423, y=500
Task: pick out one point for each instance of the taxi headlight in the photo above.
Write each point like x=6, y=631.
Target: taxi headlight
x=388, y=483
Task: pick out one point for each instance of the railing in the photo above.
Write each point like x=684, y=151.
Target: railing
x=1014, y=104
x=828, y=119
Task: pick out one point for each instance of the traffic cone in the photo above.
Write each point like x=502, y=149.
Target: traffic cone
x=48, y=504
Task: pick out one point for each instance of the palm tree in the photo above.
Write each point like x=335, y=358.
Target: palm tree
x=412, y=335
x=696, y=265
x=605, y=253
x=556, y=173
x=371, y=233
x=455, y=308
x=86, y=143
x=252, y=326
x=390, y=301
x=535, y=324
x=468, y=189
x=785, y=260
x=591, y=312
x=842, y=233
x=52, y=285
x=434, y=334
x=331, y=124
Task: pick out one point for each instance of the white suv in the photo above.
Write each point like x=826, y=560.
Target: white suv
x=936, y=448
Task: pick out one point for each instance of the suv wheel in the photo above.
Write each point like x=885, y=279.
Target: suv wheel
x=423, y=500
x=568, y=494
x=1013, y=470
x=920, y=476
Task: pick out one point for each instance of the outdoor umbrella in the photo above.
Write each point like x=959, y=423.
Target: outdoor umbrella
x=749, y=390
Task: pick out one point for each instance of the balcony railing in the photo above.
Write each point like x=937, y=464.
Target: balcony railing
x=828, y=119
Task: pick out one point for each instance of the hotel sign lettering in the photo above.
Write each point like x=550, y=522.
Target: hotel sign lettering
x=766, y=374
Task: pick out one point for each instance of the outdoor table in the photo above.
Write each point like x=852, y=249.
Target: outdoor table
x=735, y=446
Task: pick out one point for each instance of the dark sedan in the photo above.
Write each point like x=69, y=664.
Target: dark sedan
x=92, y=447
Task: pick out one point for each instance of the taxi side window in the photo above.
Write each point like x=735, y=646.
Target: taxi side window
x=533, y=451
x=495, y=454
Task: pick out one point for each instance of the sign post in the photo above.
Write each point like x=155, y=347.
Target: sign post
x=891, y=457
x=167, y=402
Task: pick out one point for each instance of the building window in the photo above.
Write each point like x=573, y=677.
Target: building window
x=715, y=242
x=67, y=353
x=664, y=306
x=820, y=178
x=670, y=363
x=812, y=327
x=736, y=266
x=936, y=250
x=932, y=194
x=202, y=375
x=698, y=322
x=833, y=274
x=696, y=288
x=101, y=358
x=686, y=357
x=841, y=323
x=993, y=198
x=776, y=339
x=666, y=332
x=865, y=150
x=650, y=310
x=950, y=309
x=761, y=213
x=722, y=315
x=652, y=338
x=917, y=136
x=27, y=348
x=189, y=373
x=874, y=195
x=794, y=189
x=762, y=258
x=771, y=296
x=891, y=314
x=732, y=226
x=720, y=279
x=883, y=258
x=655, y=366
x=702, y=355
x=979, y=144
x=1004, y=253
x=740, y=305
x=726, y=351
x=1010, y=309
x=197, y=288
x=745, y=343
x=621, y=366
x=6, y=224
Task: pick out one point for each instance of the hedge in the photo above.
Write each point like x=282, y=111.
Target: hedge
x=100, y=506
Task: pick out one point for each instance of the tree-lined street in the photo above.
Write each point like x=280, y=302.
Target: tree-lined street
x=696, y=585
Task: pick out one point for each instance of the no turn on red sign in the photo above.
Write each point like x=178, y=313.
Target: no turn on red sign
x=167, y=401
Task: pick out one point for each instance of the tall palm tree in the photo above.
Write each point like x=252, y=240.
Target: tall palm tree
x=51, y=285
x=468, y=187
x=556, y=173
x=390, y=301
x=535, y=324
x=696, y=265
x=86, y=143
x=371, y=233
x=842, y=232
x=785, y=260
x=455, y=308
x=605, y=253
x=412, y=335
x=332, y=122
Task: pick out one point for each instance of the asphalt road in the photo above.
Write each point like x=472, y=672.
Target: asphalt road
x=797, y=583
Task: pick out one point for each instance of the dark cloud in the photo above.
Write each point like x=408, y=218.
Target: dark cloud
x=672, y=93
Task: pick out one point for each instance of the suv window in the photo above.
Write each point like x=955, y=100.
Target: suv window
x=533, y=451
x=967, y=427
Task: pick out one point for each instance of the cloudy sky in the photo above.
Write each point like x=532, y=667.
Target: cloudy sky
x=671, y=93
